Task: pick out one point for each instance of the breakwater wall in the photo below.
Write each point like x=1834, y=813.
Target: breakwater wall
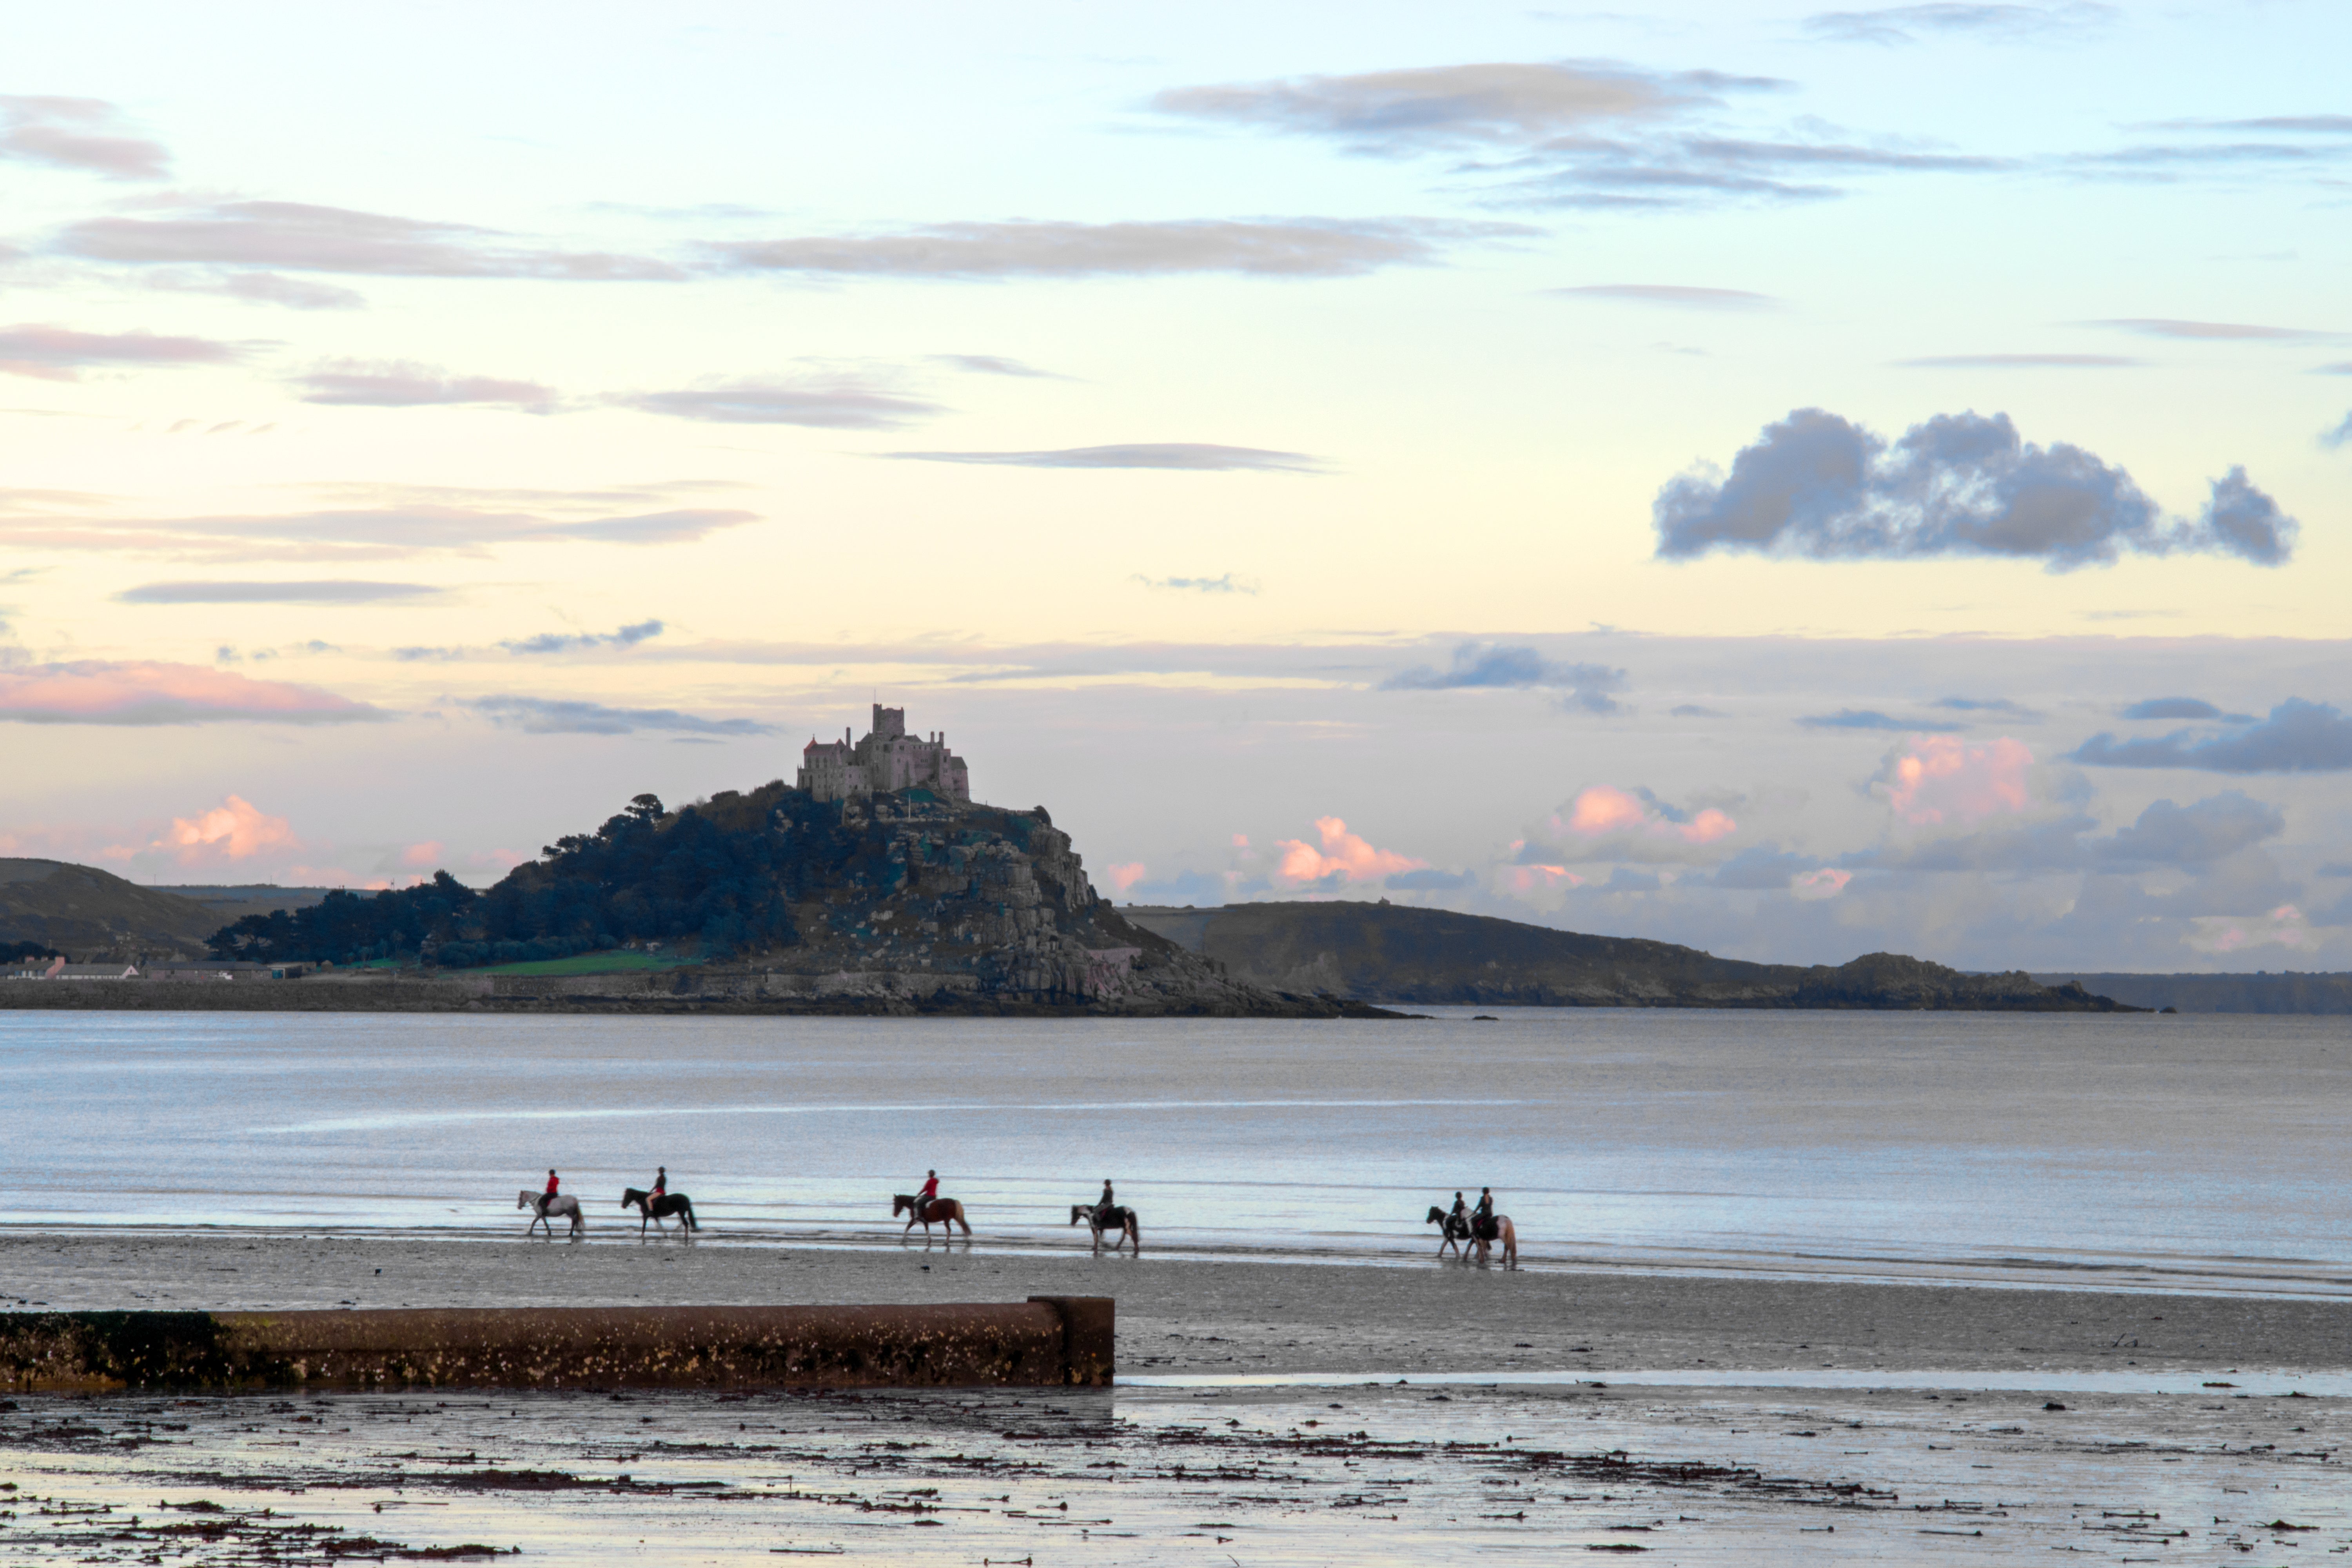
x=840, y=994
x=1047, y=1341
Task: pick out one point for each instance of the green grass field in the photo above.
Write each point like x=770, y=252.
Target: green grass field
x=586, y=964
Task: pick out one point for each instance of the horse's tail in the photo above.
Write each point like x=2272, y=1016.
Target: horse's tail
x=1135, y=1229
x=687, y=1203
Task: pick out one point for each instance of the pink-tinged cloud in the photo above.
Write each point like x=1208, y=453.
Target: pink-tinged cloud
x=234, y=830
x=1540, y=878
x=1826, y=882
x=93, y=691
x=60, y=353
x=2282, y=927
x=1343, y=854
x=77, y=133
x=1941, y=780
x=1602, y=811
x=1123, y=876
x=422, y=857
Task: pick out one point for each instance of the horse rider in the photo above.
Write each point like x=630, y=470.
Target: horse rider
x=1103, y=1209
x=661, y=1184
x=1482, y=1218
x=928, y=1194
x=552, y=1185
x=1460, y=1216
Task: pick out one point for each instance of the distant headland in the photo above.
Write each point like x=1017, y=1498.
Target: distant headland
x=874, y=883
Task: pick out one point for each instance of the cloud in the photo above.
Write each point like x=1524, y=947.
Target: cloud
x=234, y=830
x=820, y=404
x=2171, y=708
x=1818, y=486
x=399, y=384
x=1826, y=882
x=2281, y=927
x=1224, y=585
x=95, y=691
x=1343, y=855
x=317, y=593
x=301, y=237
x=563, y=716
x=258, y=288
x=2343, y=367
x=2339, y=435
x=59, y=353
x=1762, y=868
x=1674, y=294
x=1431, y=881
x=1123, y=876
x=1487, y=665
x=1184, y=455
x=2298, y=737
x=371, y=532
x=77, y=133
x=1985, y=705
x=2020, y=362
x=1692, y=711
x=2320, y=125
x=1442, y=107
x=2171, y=834
x=2005, y=848
x=1871, y=719
x=2232, y=331
x=1935, y=779
x=568, y=642
x=1291, y=247
x=996, y=364
x=2004, y=23
x=1605, y=823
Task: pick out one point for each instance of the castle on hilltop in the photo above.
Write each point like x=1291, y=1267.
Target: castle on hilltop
x=888, y=760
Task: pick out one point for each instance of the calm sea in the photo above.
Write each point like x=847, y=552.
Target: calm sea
x=2196, y=1152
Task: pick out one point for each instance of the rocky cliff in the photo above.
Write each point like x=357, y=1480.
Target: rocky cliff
x=1392, y=953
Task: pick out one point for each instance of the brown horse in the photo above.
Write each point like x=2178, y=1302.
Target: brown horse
x=1505, y=1233
x=1119, y=1219
x=656, y=1209
x=945, y=1213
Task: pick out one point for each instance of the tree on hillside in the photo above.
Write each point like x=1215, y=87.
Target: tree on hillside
x=719, y=877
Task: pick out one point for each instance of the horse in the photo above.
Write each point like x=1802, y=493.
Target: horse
x=541, y=1206
x=1504, y=1233
x=945, y=1213
x=1122, y=1220
x=1453, y=1228
x=656, y=1209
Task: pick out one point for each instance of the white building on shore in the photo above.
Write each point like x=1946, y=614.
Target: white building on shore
x=887, y=760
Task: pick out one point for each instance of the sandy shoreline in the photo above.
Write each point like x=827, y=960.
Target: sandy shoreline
x=1758, y=1470
x=1182, y=1315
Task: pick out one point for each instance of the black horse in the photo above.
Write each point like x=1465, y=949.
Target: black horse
x=1454, y=1228
x=1105, y=1222
x=654, y=1210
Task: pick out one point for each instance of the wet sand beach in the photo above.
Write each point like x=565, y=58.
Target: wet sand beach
x=1191, y=1315
x=1951, y=1454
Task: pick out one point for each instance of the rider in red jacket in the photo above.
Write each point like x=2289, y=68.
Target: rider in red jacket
x=550, y=1183
x=930, y=1191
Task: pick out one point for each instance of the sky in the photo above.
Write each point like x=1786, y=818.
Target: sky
x=1796, y=483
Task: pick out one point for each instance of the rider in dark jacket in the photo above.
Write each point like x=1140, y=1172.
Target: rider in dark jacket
x=1103, y=1210
x=661, y=1183
x=1482, y=1218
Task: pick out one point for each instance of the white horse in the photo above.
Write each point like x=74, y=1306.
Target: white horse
x=542, y=1207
